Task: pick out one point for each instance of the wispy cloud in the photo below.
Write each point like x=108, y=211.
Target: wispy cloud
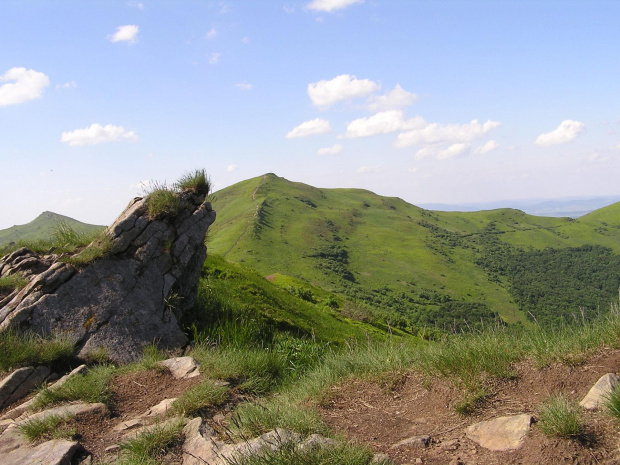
x=231, y=168
x=392, y=100
x=97, y=134
x=66, y=85
x=244, y=86
x=343, y=87
x=334, y=150
x=21, y=85
x=214, y=58
x=490, y=145
x=310, y=128
x=331, y=5
x=567, y=131
x=127, y=33
x=212, y=34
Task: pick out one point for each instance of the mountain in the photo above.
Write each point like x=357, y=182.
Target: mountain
x=382, y=253
x=569, y=207
x=42, y=228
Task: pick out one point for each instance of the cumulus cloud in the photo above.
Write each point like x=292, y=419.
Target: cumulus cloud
x=443, y=152
x=125, y=33
x=21, y=85
x=336, y=149
x=392, y=100
x=214, y=58
x=343, y=87
x=567, y=131
x=384, y=122
x=490, y=145
x=244, y=86
x=231, y=168
x=97, y=134
x=330, y=5
x=211, y=34
x=310, y=128
x=436, y=133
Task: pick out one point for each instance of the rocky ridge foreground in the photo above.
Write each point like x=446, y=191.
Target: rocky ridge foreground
x=131, y=297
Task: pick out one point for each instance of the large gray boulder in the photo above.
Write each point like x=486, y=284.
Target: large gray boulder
x=132, y=297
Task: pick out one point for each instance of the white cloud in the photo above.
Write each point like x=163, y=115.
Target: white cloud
x=336, y=149
x=23, y=85
x=330, y=5
x=343, y=87
x=245, y=40
x=66, y=85
x=211, y=34
x=244, y=86
x=384, y=122
x=288, y=9
x=490, y=145
x=310, y=128
x=442, y=152
x=436, y=133
x=231, y=168
x=214, y=58
x=392, y=100
x=567, y=131
x=97, y=134
x=125, y=33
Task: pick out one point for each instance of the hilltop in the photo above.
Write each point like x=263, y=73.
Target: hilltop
x=42, y=228
x=383, y=253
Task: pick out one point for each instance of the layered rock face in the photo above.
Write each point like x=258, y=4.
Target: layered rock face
x=132, y=297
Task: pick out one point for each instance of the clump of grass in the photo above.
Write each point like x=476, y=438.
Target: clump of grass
x=559, y=417
x=12, y=282
x=340, y=454
x=162, y=201
x=152, y=444
x=19, y=349
x=197, y=181
x=97, y=249
x=612, y=402
x=50, y=427
x=90, y=387
x=200, y=398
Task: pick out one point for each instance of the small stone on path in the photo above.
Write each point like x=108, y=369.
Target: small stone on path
x=182, y=367
x=599, y=391
x=502, y=433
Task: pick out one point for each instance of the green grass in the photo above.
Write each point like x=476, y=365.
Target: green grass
x=18, y=349
x=200, y=399
x=612, y=402
x=162, y=201
x=50, y=427
x=197, y=181
x=90, y=387
x=150, y=446
x=10, y=283
x=100, y=246
x=341, y=454
x=559, y=417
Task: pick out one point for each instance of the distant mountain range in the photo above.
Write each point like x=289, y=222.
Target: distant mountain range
x=569, y=207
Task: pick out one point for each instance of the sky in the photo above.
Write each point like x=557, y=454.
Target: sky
x=430, y=101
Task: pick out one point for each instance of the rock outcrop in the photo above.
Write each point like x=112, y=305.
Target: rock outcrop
x=133, y=296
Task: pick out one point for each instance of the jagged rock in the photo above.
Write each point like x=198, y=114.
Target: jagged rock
x=20, y=409
x=35, y=378
x=132, y=296
x=502, y=433
x=76, y=411
x=599, y=391
x=383, y=459
x=55, y=452
x=414, y=441
x=156, y=411
x=182, y=367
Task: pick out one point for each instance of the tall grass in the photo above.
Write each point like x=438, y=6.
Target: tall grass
x=559, y=417
x=18, y=349
x=152, y=444
x=10, y=283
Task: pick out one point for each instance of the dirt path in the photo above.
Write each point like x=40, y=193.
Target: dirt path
x=380, y=416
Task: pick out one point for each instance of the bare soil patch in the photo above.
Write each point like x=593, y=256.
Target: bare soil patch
x=381, y=414
x=133, y=394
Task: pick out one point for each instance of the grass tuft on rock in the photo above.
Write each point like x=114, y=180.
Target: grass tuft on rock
x=200, y=398
x=10, y=283
x=197, y=181
x=612, y=402
x=50, y=427
x=153, y=444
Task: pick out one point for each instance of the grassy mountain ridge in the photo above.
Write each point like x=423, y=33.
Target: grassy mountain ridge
x=42, y=228
x=384, y=253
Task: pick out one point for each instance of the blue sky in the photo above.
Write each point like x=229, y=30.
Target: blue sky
x=430, y=101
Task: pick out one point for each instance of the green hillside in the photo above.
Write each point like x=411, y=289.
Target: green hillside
x=383, y=254
x=42, y=228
